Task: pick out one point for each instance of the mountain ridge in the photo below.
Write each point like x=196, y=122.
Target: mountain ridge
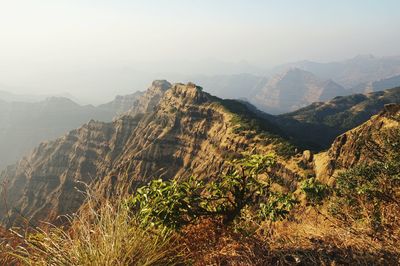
x=189, y=132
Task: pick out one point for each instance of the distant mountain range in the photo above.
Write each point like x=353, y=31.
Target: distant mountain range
x=291, y=86
x=287, y=87
x=7, y=96
x=293, y=89
x=352, y=72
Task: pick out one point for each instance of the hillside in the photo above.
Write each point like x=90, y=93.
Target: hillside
x=370, y=142
x=326, y=120
x=180, y=131
x=188, y=132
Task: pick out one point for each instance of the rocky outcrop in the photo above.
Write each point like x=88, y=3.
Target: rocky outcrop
x=174, y=133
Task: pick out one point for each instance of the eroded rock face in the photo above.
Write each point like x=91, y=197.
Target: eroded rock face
x=177, y=131
x=361, y=145
x=45, y=183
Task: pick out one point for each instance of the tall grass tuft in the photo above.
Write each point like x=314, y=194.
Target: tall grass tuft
x=107, y=235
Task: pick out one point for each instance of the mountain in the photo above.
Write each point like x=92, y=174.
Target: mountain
x=294, y=89
x=352, y=72
x=188, y=132
x=234, y=86
x=364, y=144
x=318, y=124
x=23, y=125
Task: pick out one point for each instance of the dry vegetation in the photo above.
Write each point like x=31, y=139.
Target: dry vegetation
x=310, y=234
x=113, y=237
x=109, y=235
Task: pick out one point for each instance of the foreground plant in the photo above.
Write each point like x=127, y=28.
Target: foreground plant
x=369, y=194
x=106, y=236
x=176, y=203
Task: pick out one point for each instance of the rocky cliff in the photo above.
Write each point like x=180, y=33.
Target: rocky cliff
x=175, y=131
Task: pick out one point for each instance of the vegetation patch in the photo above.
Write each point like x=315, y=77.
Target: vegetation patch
x=175, y=203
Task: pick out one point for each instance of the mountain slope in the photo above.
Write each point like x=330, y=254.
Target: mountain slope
x=319, y=123
x=188, y=132
x=362, y=145
x=25, y=125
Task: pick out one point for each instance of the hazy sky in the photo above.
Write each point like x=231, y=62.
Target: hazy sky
x=95, y=49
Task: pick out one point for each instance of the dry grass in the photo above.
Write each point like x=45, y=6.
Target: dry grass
x=310, y=239
x=316, y=239
x=209, y=243
x=105, y=236
x=8, y=241
x=109, y=235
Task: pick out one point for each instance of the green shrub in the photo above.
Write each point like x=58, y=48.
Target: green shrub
x=174, y=204
x=277, y=207
x=314, y=190
x=286, y=149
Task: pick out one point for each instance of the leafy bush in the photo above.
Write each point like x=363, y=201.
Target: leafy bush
x=177, y=203
x=277, y=207
x=286, y=149
x=314, y=190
